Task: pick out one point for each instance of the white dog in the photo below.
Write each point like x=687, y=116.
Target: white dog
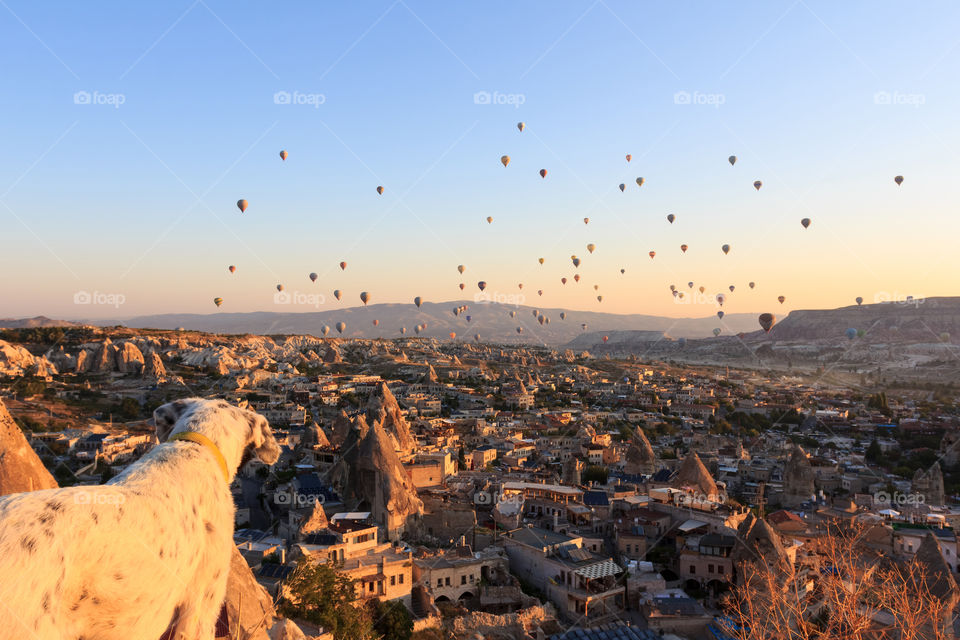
x=148, y=551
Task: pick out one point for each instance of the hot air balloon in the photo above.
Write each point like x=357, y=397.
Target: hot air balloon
x=725, y=248
x=519, y=329
x=851, y=333
x=462, y=286
x=418, y=301
x=596, y=287
x=690, y=284
x=599, y=298
x=541, y=319
x=731, y=287
x=859, y=300
x=242, y=205
x=461, y=268
x=476, y=337
x=684, y=248
x=468, y=318
x=489, y=219
x=453, y=336
x=679, y=294
x=622, y=187
x=720, y=314
x=341, y=326
x=513, y=314
x=482, y=285
x=605, y=338
x=543, y=173
x=563, y=281
x=757, y=184
x=337, y=294
x=576, y=277
x=403, y=331
x=702, y=289
x=313, y=277
x=563, y=315
x=536, y=313
x=232, y=268
x=898, y=180
x=520, y=286
x=505, y=160
x=586, y=221
x=721, y=299
x=576, y=262
x=521, y=125
x=767, y=321
x=591, y=247
x=417, y=329
x=781, y=299
x=218, y=301
x=805, y=222
x=279, y=287
x=380, y=190
x=324, y=329
x=716, y=331
x=455, y=311
x=673, y=287
x=640, y=182
x=622, y=271
x=629, y=157
x=539, y=292
x=283, y=154
x=376, y=322
x=364, y=297
x=343, y=266
x=671, y=218
x=652, y=254
x=752, y=284
x=540, y=260
x=732, y=160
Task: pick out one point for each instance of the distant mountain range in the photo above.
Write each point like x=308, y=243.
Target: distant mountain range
x=491, y=320
x=33, y=323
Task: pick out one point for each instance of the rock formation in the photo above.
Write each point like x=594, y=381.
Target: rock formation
x=572, y=468
x=20, y=468
x=129, y=358
x=14, y=359
x=383, y=407
x=929, y=484
x=316, y=521
x=340, y=429
x=694, y=475
x=153, y=366
x=798, y=479
x=640, y=456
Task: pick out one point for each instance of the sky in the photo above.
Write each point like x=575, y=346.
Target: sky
x=128, y=131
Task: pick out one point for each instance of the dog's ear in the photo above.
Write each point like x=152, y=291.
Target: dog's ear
x=262, y=442
x=166, y=416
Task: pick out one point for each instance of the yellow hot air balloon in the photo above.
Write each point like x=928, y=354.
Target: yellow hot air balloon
x=283, y=154
x=242, y=205
x=591, y=247
x=505, y=160
x=540, y=260
x=218, y=301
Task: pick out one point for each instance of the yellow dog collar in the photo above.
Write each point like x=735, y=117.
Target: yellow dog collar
x=199, y=438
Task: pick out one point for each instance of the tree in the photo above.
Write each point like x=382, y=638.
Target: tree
x=391, y=620
x=317, y=593
x=873, y=452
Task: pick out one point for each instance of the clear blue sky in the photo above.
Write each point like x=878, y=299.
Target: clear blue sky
x=139, y=199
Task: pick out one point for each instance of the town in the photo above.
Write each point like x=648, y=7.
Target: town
x=532, y=492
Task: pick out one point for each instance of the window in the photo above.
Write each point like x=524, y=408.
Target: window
x=401, y=578
x=720, y=569
x=448, y=581
x=471, y=578
x=439, y=582
x=709, y=568
x=463, y=580
x=371, y=587
x=693, y=569
x=393, y=581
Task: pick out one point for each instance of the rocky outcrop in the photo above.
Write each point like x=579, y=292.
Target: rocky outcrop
x=383, y=407
x=129, y=359
x=20, y=468
x=640, y=456
x=14, y=359
x=693, y=475
x=153, y=366
x=340, y=429
x=316, y=521
x=314, y=436
x=798, y=479
x=929, y=484
x=572, y=468
x=332, y=356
